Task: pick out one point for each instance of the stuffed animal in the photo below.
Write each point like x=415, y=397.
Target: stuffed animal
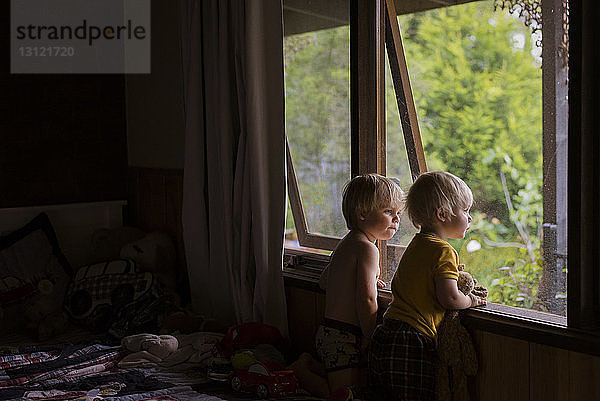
x=148, y=349
x=44, y=317
x=152, y=252
x=155, y=253
x=456, y=353
x=107, y=242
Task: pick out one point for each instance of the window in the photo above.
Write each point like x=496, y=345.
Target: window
x=488, y=110
x=317, y=92
x=477, y=81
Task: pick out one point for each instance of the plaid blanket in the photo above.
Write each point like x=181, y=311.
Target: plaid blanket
x=83, y=372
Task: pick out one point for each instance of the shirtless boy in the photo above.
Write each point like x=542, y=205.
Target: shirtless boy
x=371, y=206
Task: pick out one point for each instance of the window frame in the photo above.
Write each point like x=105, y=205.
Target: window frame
x=583, y=176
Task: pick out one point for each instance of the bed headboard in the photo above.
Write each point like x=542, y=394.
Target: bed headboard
x=73, y=223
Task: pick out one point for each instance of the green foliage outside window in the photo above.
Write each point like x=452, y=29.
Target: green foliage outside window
x=317, y=93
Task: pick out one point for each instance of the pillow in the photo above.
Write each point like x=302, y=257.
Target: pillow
x=34, y=275
x=111, y=296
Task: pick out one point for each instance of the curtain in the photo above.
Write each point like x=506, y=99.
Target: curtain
x=234, y=168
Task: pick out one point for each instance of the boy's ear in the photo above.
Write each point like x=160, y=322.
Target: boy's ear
x=441, y=214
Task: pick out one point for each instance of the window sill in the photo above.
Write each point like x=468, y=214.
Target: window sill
x=535, y=327
x=522, y=324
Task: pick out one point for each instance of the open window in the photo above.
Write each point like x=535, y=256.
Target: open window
x=464, y=86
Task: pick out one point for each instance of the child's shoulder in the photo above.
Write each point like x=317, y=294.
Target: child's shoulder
x=432, y=243
x=355, y=244
x=431, y=240
x=357, y=240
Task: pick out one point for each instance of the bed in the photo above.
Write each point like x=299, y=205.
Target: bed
x=73, y=327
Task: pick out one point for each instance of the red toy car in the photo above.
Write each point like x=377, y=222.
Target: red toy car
x=266, y=378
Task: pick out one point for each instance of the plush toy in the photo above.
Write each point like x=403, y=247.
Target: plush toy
x=456, y=353
x=148, y=349
x=155, y=253
x=44, y=317
x=107, y=242
x=242, y=359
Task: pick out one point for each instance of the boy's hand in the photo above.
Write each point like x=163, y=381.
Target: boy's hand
x=480, y=291
x=380, y=283
x=476, y=301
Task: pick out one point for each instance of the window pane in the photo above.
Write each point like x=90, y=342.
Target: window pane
x=291, y=235
x=396, y=155
x=396, y=166
x=317, y=96
x=477, y=83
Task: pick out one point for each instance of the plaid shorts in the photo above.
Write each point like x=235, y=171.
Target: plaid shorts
x=401, y=362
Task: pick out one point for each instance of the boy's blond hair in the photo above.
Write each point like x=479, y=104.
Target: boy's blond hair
x=434, y=190
x=368, y=192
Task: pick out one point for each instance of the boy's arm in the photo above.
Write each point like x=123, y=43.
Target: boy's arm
x=366, y=288
x=450, y=297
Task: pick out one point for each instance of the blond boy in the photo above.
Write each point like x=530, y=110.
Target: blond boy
x=371, y=206
x=402, y=357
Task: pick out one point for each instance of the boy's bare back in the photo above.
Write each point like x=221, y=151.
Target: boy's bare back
x=351, y=278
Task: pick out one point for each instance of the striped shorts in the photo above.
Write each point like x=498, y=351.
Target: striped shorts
x=401, y=362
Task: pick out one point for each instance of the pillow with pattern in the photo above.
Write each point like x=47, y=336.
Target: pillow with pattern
x=34, y=275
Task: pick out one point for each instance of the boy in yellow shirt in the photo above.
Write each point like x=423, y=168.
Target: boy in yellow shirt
x=403, y=348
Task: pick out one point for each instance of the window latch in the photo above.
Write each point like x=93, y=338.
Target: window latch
x=294, y=260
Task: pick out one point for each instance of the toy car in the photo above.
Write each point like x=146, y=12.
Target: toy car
x=266, y=379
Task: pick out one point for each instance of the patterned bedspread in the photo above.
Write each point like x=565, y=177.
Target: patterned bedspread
x=89, y=372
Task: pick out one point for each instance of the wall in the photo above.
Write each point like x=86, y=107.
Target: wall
x=155, y=101
x=63, y=136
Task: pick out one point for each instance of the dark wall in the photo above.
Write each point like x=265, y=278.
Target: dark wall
x=62, y=137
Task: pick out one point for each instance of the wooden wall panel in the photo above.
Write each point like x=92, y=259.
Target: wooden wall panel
x=503, y=368
x=151, y=205
x=549, y=373
x=584, y=377
x=320, y=308
x=302, y=306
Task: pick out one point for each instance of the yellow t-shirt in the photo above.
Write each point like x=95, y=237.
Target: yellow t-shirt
x=426, y=259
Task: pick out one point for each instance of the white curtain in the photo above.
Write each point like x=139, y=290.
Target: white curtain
x=234, y=172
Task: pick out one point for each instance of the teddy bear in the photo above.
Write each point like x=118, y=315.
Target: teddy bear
x=155, y=253
x=106, y=243
x=152, y=252
x=43, y=314
x=456, y=352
